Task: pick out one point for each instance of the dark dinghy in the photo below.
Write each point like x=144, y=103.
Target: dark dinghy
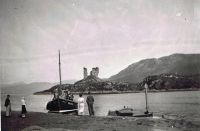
x=125, y=112
x=129, y=111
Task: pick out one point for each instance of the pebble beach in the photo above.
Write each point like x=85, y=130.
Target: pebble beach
x=63, y=122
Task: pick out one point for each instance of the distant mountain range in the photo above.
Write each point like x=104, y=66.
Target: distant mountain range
x=23, y=88
x=30, y=88
x=182, y=64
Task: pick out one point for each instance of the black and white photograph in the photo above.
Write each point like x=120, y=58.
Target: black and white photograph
x=100, y=65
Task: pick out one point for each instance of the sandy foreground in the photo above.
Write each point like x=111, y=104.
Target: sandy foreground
x=36, y=121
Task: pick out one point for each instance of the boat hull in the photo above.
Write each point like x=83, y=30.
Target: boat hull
x=125, y=112
x=144, y=115
x=58, y=105
x=129, y=112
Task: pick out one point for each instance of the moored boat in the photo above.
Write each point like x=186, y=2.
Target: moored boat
x=60, y=104
x=129, y=111
x=125, y=112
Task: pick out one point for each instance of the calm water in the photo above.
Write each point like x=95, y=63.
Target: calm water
x=180, y=104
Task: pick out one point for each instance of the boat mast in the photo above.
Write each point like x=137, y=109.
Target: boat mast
x=59, y=89
x=59, y=69
x=146, y=87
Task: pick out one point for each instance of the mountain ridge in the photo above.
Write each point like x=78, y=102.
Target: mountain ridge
x=29, y=88
x=183, y=64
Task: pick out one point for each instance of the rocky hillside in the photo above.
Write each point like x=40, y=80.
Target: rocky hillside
x=96, y=87
x=94, y=84
x=183, y=64
x=89, y=79
x=171, y=82
x=163, y=82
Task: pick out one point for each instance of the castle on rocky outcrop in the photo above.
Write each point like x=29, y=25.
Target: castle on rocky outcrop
x=93, y=72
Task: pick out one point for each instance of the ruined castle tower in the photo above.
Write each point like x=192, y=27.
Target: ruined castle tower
x=95, y=71
x=85, y=73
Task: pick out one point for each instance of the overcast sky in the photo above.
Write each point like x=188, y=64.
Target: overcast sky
x=110, y=34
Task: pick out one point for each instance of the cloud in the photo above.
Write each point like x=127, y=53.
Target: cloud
x=179, y=14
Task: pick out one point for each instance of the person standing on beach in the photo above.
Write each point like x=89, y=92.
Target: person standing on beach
x=67, y=94
x=8, y=106
x=90, y=102
x=80, y=105
x=23, y=107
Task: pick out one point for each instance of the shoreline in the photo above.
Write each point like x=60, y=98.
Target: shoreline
x=122, y=92
x=57, y=122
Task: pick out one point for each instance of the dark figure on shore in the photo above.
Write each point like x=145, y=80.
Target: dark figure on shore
x=23, y=107
x=8, y=106
x=67, y=94
x=90, y=102
x=71, y=97
x=55, y=94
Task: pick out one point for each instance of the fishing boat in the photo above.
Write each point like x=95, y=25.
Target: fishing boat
x=60, y=103
x=130, y=112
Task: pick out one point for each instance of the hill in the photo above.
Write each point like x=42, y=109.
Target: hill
x=170, y=82
x=89, y=79
x=94, y=84
x=182, y=64
x=163, y=82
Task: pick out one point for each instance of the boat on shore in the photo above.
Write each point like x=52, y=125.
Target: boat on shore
x=125, y=112
x=61, y=102
x=130, y=112
x=61, y=106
